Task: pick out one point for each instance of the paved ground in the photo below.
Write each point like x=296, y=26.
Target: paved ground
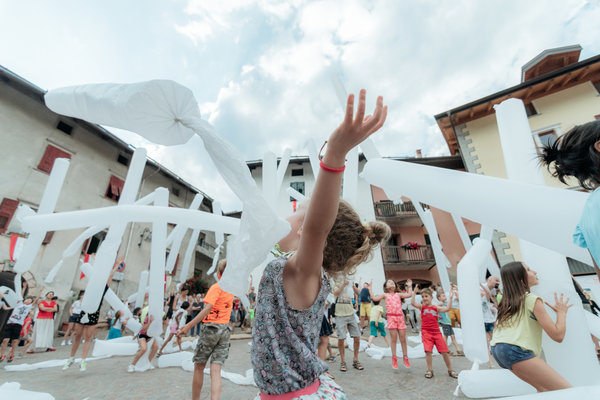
x=108, y=379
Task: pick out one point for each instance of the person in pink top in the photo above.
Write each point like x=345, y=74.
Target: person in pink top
x=395, y=318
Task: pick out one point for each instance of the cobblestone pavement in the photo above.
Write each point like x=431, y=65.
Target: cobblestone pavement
x=108, y=379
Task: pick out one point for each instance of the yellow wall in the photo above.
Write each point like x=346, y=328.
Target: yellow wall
x=564, y=110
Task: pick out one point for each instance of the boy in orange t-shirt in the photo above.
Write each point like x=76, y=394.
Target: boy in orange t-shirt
x=215, y=333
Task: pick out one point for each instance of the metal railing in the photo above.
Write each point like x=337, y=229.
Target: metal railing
x=388, y=209
x=403, y=255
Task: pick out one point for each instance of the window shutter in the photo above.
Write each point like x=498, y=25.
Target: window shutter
x=115, y=186
x=48, y=237
x=7, y=210
x=51, y=154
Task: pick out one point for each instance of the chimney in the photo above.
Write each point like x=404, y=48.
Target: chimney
x=419, y=153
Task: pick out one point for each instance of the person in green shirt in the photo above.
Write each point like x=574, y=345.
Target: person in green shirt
x=376, y=323
x=517, y=340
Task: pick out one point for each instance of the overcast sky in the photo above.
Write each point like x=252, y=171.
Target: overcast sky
x=260, y=69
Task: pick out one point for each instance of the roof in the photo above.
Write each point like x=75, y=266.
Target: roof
x=550, y=60
x=450, y=162
x=540, y=86
x=36, y=93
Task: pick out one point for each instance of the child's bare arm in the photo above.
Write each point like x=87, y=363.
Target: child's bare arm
x=412, y=298
x=323, y=206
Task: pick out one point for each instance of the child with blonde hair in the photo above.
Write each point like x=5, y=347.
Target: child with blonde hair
x=395, y=318
x=328, y=239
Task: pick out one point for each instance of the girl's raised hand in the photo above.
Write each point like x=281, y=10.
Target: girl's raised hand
x=560, y=305
x=356, y=128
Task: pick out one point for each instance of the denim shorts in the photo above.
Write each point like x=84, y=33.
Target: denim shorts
x=489, y=327
x=507, y=354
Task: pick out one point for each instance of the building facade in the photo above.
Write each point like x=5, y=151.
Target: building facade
x=32, y=137
x=558, y=91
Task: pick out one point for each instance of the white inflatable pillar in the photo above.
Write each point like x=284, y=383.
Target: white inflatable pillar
x=157, y=267
x=176, y=236
x=441, y=260
x=47, y=205
x=141, y=292
x=574, y=358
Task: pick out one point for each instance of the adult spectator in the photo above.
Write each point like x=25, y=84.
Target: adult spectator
x=44, y=326
x=346, y=322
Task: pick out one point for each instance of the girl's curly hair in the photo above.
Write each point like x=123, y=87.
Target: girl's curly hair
x=574, y=154
x=350, y=242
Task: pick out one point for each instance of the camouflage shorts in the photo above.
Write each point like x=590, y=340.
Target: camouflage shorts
x=213, y=341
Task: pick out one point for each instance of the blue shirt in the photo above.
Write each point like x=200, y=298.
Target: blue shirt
x=587, y=232
x=444, y=317
x=364, y=296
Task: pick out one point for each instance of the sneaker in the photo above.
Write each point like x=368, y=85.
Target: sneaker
x=67, y=364
x=64, y=342
x=406, y=363
x=83, y=366
x=30, y=352
x=10, y=359
x=151, y=366
x=395, y=362
x=70, y=342
x=50, y=349
x=2, y=358
x=131, y=368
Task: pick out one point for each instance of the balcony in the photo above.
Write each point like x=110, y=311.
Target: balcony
x=403, y=214
x=398, y=257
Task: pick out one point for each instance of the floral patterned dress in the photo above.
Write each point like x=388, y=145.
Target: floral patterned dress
x=285, y=340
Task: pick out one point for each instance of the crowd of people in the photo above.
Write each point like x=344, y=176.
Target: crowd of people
x=306, y=293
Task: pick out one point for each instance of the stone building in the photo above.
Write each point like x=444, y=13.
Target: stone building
x=32, y=137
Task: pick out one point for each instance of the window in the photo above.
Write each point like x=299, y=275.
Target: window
x=51, y=154
x=64, y=127
x=298, y=186
x=115, y=187
x=7, y=210
x=298, y=172
x=597, y=116
x=530, y=109
x=175, y=191
x=545, y=138
x=123, y=159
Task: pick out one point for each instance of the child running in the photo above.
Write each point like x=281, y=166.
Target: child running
x=14, y=325
x=215, y=333
x=430, y=331
x=395, y=318
x=376, y=324
x=118, y=322
x=446, y=324
x=177, y=321
x=143, y=339
x=27, y=333
x=327, y=237
x=517, y=341
x=577, y=154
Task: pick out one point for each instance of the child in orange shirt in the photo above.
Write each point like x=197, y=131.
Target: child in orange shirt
x=214, y=337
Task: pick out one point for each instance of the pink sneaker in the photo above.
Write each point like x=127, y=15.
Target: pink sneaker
x=395, y=362
x=406, y=363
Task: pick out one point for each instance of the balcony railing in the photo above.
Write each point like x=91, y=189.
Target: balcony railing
x=402, y=255
x=387, y=209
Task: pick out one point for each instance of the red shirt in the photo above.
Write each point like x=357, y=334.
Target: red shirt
x=26, y=327
x=46, y=314
x=429, y=319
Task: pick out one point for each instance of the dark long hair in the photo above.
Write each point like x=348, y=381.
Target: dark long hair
x=516, y=286
x=574, y=155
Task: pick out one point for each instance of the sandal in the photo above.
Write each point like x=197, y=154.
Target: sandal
x=429, y=374
x=343, y=366
x=452, y=374
x=356, y=364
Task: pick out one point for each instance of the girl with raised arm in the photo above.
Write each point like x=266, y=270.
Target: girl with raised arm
x=327, y=239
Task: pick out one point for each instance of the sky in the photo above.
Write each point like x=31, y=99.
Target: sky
x=261, y=69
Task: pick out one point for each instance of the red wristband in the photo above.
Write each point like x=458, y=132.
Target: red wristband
x=329, y=169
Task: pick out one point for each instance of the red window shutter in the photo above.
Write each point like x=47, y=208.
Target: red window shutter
x=115, y=187
x=48, y=237
x=597, y=116
x=51, y=154
x=7, y=210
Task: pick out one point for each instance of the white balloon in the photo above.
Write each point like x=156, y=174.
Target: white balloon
x=582, y=392
x=12, y=390
x=479, y=384
x=114, y=348
x=10, y=296
x=483, y=200
x=187, y=258
x=176, y=236
x=157, y=268
x=281, y=168
x=471, y=314
x=219, y=237
x=141, y=293
x=350, y=189
x=47, y=205
x=174, y=359
x=594, y=323
x=269, y=178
